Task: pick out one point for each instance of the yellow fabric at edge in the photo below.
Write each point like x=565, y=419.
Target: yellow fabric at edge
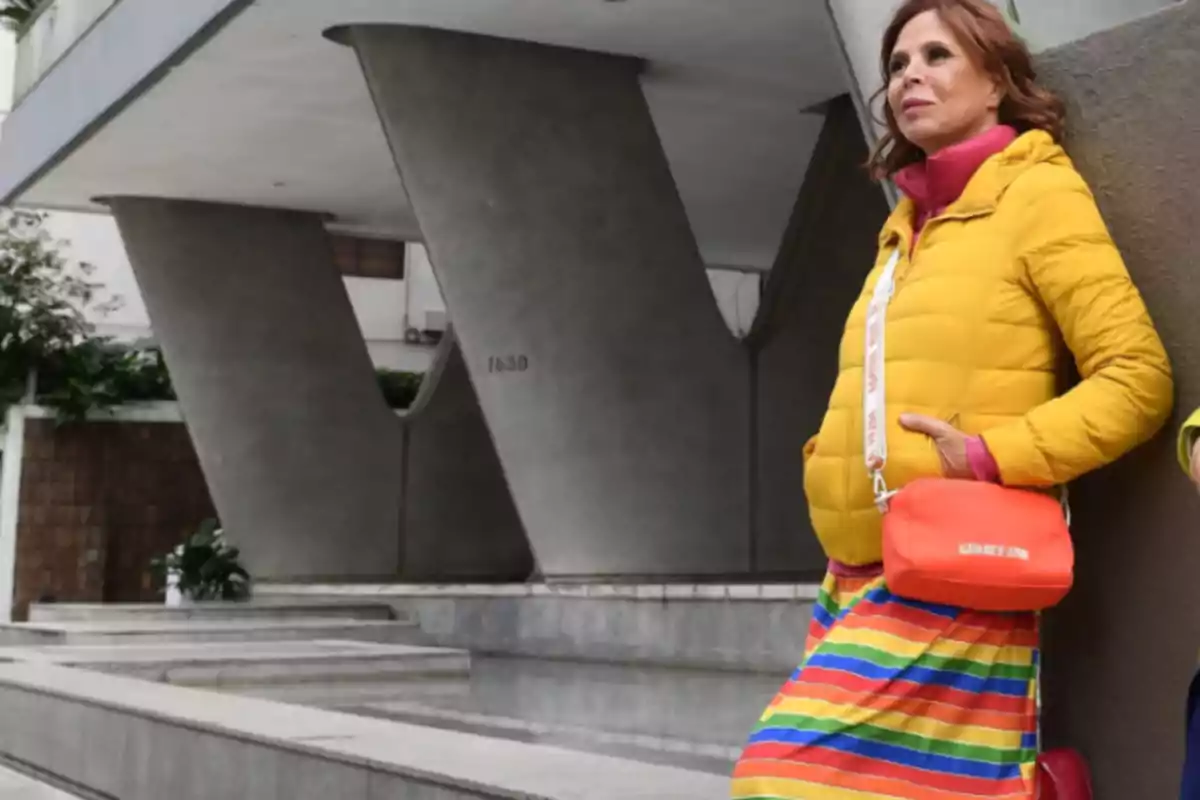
x=1187, y=438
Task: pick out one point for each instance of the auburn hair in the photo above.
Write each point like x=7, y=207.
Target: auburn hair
x=988, y=40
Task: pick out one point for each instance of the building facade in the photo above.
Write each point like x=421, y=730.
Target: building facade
x=576, y=172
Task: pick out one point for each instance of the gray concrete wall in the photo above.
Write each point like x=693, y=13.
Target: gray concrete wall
x=1122, y=648
x=1052, y=24
x=563, y=250
x=459, y=521
x=743, y=627
x=301, y=454
x=827, y=250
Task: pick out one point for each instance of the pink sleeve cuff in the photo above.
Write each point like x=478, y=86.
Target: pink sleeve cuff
x=983, y=466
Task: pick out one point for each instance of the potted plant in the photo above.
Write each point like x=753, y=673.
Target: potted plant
x=15, y=14
x=204, y=567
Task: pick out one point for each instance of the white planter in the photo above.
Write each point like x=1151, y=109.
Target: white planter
x=174, y=596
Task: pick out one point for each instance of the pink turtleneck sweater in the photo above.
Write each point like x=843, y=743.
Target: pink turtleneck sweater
x=939, y=180
x=933, y=185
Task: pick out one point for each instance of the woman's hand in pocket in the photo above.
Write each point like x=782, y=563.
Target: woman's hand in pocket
x=950, y=443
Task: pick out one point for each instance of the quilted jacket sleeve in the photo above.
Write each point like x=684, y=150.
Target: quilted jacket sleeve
x=810, y=447
x=1069, y=260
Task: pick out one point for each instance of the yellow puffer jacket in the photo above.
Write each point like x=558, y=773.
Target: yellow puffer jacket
x=1019, y=265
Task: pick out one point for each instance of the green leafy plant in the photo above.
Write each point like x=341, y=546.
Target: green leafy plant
x=42, y=302
x=16, y=14
x=98, y=375
x=399, y=388
x=45, y=337
x=208, y=567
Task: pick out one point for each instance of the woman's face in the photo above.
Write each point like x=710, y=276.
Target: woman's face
x=938, y=94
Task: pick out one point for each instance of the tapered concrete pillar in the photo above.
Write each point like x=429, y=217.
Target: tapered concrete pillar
x=301, y=454
x=459, y=521
x=829, y=246
x=615, y=394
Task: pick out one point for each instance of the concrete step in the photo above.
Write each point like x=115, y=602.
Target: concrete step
x=17, y=786
x=671, y=751
x=257, y=609
x=351, y=696
x=168, y=631
x=233, y=665
x=194, y=744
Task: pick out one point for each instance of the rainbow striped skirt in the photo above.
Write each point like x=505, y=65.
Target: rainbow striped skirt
x=900, y=700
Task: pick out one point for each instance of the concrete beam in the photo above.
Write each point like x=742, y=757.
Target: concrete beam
x=301, y=454
x=614, y=392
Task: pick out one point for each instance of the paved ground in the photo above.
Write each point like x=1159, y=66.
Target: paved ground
x=14, y=786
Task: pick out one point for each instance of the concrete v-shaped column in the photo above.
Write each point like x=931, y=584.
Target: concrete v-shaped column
x=459, y=520
x=301, y=454
x=615, y=394
x=829, y=245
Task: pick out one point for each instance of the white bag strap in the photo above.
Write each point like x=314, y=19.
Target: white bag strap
x=874, y=380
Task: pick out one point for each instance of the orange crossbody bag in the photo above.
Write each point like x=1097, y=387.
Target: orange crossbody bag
x=958, y=542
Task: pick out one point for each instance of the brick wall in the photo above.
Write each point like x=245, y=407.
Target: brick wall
x=98, y=502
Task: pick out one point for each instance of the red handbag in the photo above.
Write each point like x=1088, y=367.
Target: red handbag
x=1063, y=775
x=977, y=545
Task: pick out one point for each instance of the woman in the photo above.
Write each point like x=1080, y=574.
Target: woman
x=1005, y=266
x=1189, y=459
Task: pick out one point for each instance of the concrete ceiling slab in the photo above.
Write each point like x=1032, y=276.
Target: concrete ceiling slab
x=268, y=112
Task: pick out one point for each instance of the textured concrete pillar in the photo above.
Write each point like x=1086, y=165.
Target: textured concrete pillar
x=615, y=394
x=301, y=454
x=828, y=247
x=1121, y=651
x=460, y=523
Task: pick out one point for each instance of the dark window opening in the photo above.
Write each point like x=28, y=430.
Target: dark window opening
x=360, y=257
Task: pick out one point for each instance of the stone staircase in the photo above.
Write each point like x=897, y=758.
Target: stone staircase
x=171, y=631
x=279, y=645
x=137, y=624
x=104, y=698
x=270, y=610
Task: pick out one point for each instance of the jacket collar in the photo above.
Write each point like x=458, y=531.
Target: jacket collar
x=983, y=192
x=936, y=182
